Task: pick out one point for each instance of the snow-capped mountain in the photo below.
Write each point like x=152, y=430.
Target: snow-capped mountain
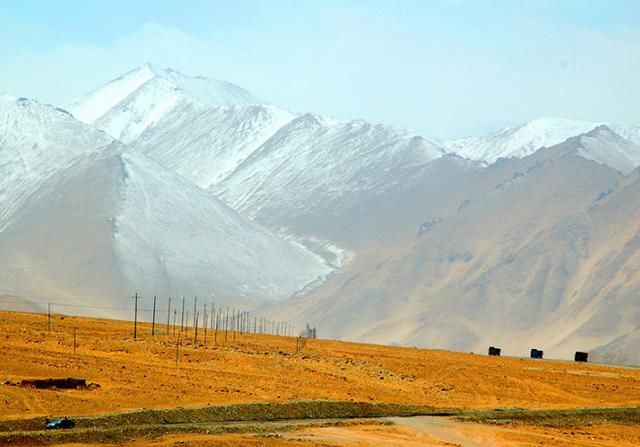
x=208, y=145
x=317, y=166
x=92, y=218
x=525, y=139
x=126, y=106
x=454, y=251
x=604, y=146
x=36, y=142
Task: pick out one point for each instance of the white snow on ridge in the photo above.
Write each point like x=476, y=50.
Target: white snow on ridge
x=96, y=103
x=320, y=163
x=36, y=141
x=607, y=147
x=128, y=105
x=630, y=132
x=189, y=237
x=81, y=208
x=519, y=141
x=619, y=150
x=207, y=145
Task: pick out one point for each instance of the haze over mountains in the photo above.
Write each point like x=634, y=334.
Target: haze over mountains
x=527, y=236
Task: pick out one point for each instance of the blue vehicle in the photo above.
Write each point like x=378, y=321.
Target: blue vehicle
x=60, y=423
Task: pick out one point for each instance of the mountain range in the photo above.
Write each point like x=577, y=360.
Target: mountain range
x=175, y=185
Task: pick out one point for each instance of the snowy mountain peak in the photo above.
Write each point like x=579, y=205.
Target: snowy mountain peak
x=603, y=131
x=520, y=141
x=605, y=146
x=36, y=141
x=128, y=105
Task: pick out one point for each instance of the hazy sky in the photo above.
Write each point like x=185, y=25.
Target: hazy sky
x=446, y=68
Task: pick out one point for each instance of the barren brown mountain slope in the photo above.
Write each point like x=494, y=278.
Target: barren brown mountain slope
x=535, y=260
x=497, y=270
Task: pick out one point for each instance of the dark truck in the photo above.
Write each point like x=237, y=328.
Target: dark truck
x=60, y=423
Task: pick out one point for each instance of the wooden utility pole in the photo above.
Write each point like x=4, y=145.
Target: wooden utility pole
x=212, y=315
x=195, y=309
x=233, y=325
x=175, y=317
x=182, y=316
x=226, y=326
x=135, y=318
x=178, y=349
x=49, y=316
x=169, y=316
x=215, y=333
x=195, y=337
x=153, y=318
x=205, y=323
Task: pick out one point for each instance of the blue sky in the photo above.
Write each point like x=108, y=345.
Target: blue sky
x=446, y=68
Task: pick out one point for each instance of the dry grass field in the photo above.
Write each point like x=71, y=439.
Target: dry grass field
x=142, y=374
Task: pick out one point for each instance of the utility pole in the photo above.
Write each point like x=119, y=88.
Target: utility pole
x=226, y=325
x=49, y=316
x=212, y=315
x=153, y=318
x=175, y=317
x=233, y=325
x=205, y=323
x=195, y=337
x=168, y=315
x=182, y=316
x=195, y=309
x=178, y=349
x=135, y=318
x=215, y=333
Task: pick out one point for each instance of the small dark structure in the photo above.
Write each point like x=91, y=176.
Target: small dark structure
x=63, y=384
x=536, y=354
x=494, y=351
x=581, y=356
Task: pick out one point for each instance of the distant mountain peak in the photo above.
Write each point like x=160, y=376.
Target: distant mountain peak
x=520, y=141
x=127, y=105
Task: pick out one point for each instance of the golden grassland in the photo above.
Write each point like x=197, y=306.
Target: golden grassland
x=247, y=368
